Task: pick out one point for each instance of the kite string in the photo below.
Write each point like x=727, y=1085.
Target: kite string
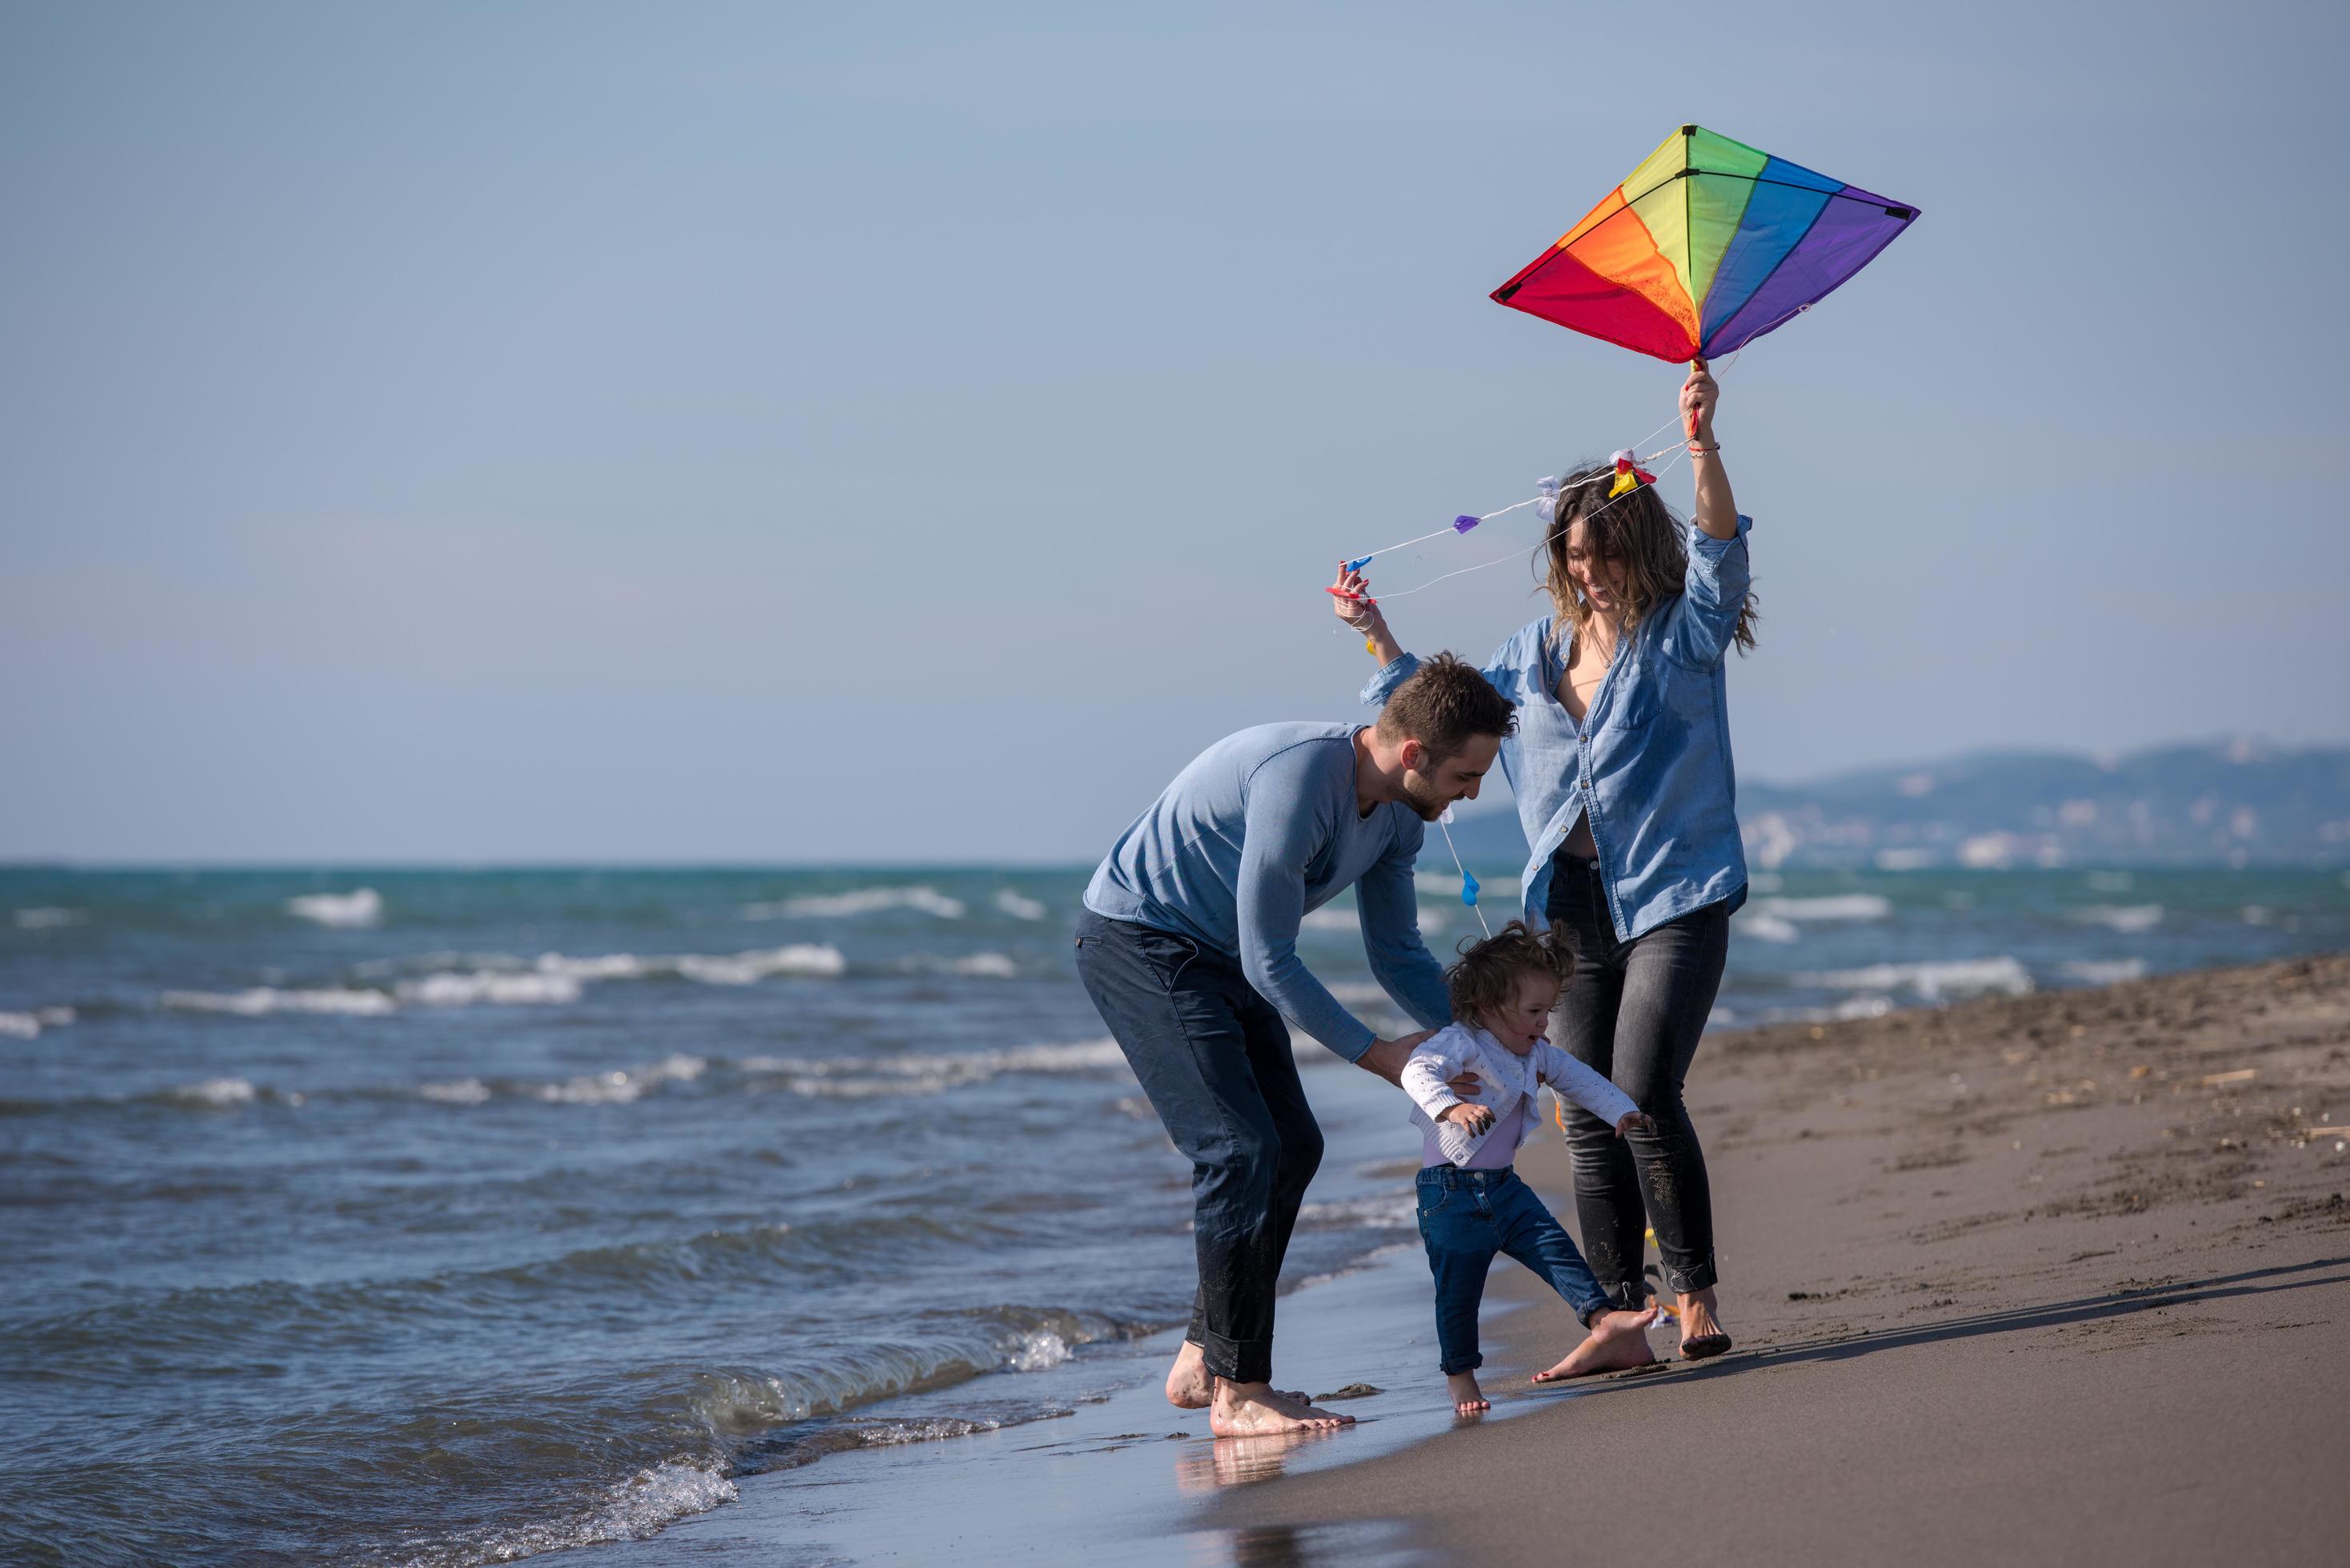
x=1678, y=453
x=1529, y=501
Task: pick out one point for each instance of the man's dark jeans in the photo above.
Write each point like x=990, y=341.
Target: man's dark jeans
x=1214, y=1058
x=1466, y=1217
x=1634, y=1012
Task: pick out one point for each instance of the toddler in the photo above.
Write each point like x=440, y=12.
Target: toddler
x=1472, y=1204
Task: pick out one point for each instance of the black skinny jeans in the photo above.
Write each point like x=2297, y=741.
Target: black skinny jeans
x=1213, y=1056
x=1633, y=1012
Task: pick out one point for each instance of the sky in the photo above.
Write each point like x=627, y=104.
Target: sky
x=578, y=431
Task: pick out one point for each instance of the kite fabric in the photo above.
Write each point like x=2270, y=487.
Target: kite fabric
x=1708, y=244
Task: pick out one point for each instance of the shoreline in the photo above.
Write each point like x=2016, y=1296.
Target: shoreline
x=2056, y=1278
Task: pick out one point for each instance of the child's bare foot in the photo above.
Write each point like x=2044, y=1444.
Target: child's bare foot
x=1192, y=1386
x=1468, y=1399
x=1701, y=1332
x=1258, y=1410
x=1618, y=1340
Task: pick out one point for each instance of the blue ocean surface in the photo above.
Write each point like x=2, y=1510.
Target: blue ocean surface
x=453, y=1217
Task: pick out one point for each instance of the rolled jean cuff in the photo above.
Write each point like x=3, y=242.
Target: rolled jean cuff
x=1236, y=1360
x=1475, y=1359
x=1688, y=1282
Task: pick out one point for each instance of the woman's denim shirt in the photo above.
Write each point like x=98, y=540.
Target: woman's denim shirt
x=1650, y=762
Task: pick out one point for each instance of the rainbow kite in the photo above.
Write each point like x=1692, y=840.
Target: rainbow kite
x=1707, y=244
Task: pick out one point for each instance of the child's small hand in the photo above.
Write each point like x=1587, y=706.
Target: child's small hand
x=1635, y=1121
x=1473, y=1119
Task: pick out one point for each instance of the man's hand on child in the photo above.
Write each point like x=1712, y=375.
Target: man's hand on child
x=1473, y=1119
x=1635, y=1121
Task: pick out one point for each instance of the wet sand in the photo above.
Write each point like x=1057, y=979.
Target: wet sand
x=2063, y=1278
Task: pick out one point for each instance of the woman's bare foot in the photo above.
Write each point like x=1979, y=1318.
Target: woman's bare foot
x=1468, y=1399
x=1618, y=1340
x=1258, y=1410
x=1191, y=1385
x=1701, y=1332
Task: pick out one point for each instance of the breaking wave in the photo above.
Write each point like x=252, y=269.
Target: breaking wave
x=2001, y=976
x=348, y=910
x=861, y=901
x=1832, y=906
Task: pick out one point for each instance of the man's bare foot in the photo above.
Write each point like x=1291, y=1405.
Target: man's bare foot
x=1258, y=1410
x=1468, y=1399
x=1618, y=1340
x=1190, y=1386
x=1701, y=1332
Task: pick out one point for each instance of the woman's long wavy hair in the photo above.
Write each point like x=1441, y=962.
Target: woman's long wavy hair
x=1637, y=530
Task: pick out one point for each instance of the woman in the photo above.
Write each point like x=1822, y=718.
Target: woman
x=1622, y=771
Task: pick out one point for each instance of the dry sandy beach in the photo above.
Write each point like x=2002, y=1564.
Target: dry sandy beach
x=2063, y=1278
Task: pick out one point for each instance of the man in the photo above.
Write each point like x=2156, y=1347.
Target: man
x=1189, y=947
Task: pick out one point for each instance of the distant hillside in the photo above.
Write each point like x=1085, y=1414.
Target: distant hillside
x=2237, y=801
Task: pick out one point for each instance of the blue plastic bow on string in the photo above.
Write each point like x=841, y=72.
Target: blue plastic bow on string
x=1468, y=882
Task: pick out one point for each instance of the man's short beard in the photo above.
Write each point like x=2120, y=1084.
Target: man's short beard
x=1421, y=796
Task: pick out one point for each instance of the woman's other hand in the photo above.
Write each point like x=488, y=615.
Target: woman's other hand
x=1351, y=602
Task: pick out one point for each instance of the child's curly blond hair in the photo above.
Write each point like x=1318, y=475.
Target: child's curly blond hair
x=1489, y=968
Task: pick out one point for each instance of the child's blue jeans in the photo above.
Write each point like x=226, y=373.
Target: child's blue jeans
x=1466, y=1217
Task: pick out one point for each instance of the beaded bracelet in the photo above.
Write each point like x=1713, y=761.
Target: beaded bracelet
x=1697, y=451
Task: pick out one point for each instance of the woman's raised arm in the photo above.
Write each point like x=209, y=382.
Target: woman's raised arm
x=1717, y=514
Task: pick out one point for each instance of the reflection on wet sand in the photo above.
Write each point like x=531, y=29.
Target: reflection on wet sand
x=1361, y=1543
x=1236, y=1461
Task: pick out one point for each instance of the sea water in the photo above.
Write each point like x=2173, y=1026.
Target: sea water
x=453, y=1217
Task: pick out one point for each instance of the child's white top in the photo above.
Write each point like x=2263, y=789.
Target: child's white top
x=1505, y=1082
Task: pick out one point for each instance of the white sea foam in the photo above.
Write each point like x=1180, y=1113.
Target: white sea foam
x=1862, y=1007
x=20, y=1025
x=640, y=1507
x=1332, y=917
x=1834, y=907
x=261, y=1000
x=918, y=1073
x=2104, y=972
x=222, y=1093
x=1037, y=1350
x=620, y=1088
x=56, y=1017
x=859, y=901
x=1767, y=928
x=1385, y=1212
x=363, y=906
x=750, y=968
x=2129, y=919
x=1905, y=859
x=979, y=966
x=457, y=1091
x=450, y=989
x=48, y=919
x=1019, y=906
x=2001, y=976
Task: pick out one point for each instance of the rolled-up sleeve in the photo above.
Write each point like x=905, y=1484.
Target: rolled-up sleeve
x=1391, y=675
x=1705, y=617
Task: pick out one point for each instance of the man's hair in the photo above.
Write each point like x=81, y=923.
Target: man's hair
x=1443, y=703
x=1487, y=973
